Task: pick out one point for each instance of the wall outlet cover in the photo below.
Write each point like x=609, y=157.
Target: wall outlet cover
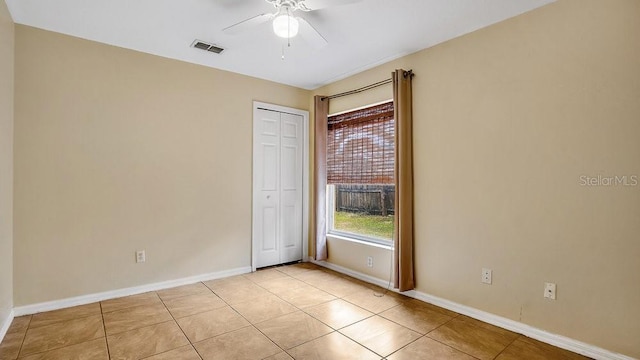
x=486, y=276
x=140, y=256
x=550, y=291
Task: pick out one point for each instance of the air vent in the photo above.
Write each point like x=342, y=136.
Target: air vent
x=199, y=44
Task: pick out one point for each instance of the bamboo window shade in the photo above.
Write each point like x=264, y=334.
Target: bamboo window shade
x=361, y=146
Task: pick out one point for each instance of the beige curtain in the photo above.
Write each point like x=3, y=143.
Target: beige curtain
x=403, y=233
x=321, y=110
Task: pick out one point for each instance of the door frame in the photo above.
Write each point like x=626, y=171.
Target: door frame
x=305, y=176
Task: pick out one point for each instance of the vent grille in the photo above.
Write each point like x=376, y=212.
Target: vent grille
x=202, y=45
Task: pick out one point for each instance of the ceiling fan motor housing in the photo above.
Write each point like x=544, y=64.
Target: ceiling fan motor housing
x=291, y=4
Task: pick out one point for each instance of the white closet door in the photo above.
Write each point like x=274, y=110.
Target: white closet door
x=277, y=189
x=291, y=187
x=266, y=185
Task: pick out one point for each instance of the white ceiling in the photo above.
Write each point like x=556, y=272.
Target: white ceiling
x=360, y=35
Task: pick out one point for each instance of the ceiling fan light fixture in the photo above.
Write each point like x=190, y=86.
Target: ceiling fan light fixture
x=285, y=25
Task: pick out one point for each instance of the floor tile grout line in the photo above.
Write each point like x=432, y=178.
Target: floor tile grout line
x=311, y=340
x=357, y=342
x=406, y=345
x=24, y=336
x=506, y=347
x=404, y=326
x=182, y=296
x=179, y=327
x=430, y=338
x=224, y=333
x=242, y=316
x=104, y=328
x=247, y=320
x=138, y=328
x=164, y=352
x=443, y=324
x=55, y=348
x=196, y=350
x=290, y=303
x=63, y=320
x=60, y=348
x=448, y=345
x=342, y=298
x=376, y=314
x=446, y=322
x=132, y=306
x=304, y=312
x=338, y=329
x=401, y=325
x=268, y=338
x=339, y=297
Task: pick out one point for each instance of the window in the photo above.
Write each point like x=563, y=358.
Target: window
x=360, y=173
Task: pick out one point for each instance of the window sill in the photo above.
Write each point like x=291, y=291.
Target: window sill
x=358, y=241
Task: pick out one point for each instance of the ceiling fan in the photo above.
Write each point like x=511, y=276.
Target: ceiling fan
x=285, y=24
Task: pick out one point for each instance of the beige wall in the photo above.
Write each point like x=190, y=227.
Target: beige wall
x=117, y=151
x=354, y=255
x=6, y=162
x=507, y=119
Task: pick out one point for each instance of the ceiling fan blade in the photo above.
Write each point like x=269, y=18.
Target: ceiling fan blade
x=310, y=34
x=247, y=24
x=321, y=4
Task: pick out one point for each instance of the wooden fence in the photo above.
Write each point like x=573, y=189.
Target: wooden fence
x=369, y=199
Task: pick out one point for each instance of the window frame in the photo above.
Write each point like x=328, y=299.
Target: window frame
x=331, y=196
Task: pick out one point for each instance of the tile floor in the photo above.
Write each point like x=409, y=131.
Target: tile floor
x=290, y=312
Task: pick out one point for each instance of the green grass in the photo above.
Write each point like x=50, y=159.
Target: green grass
x=363, y=224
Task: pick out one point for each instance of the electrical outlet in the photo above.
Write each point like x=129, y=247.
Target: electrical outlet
x=486, y=276
x=550, y=291
x=370, y=261
x=140, y=256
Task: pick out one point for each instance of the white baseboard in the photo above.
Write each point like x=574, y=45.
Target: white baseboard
x=5, y=325
x=560, y=341
x=354, y=274
x=91, y=298
x=521, y=328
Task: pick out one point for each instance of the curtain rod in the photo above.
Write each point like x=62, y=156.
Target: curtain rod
x=368, y=87
x=364, y=88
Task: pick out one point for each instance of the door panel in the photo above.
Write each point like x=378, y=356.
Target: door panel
x=289, y=172
x=269, y=221
x=269, y=166
x=278, y=182
x=266, y=208
x=291, y=189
